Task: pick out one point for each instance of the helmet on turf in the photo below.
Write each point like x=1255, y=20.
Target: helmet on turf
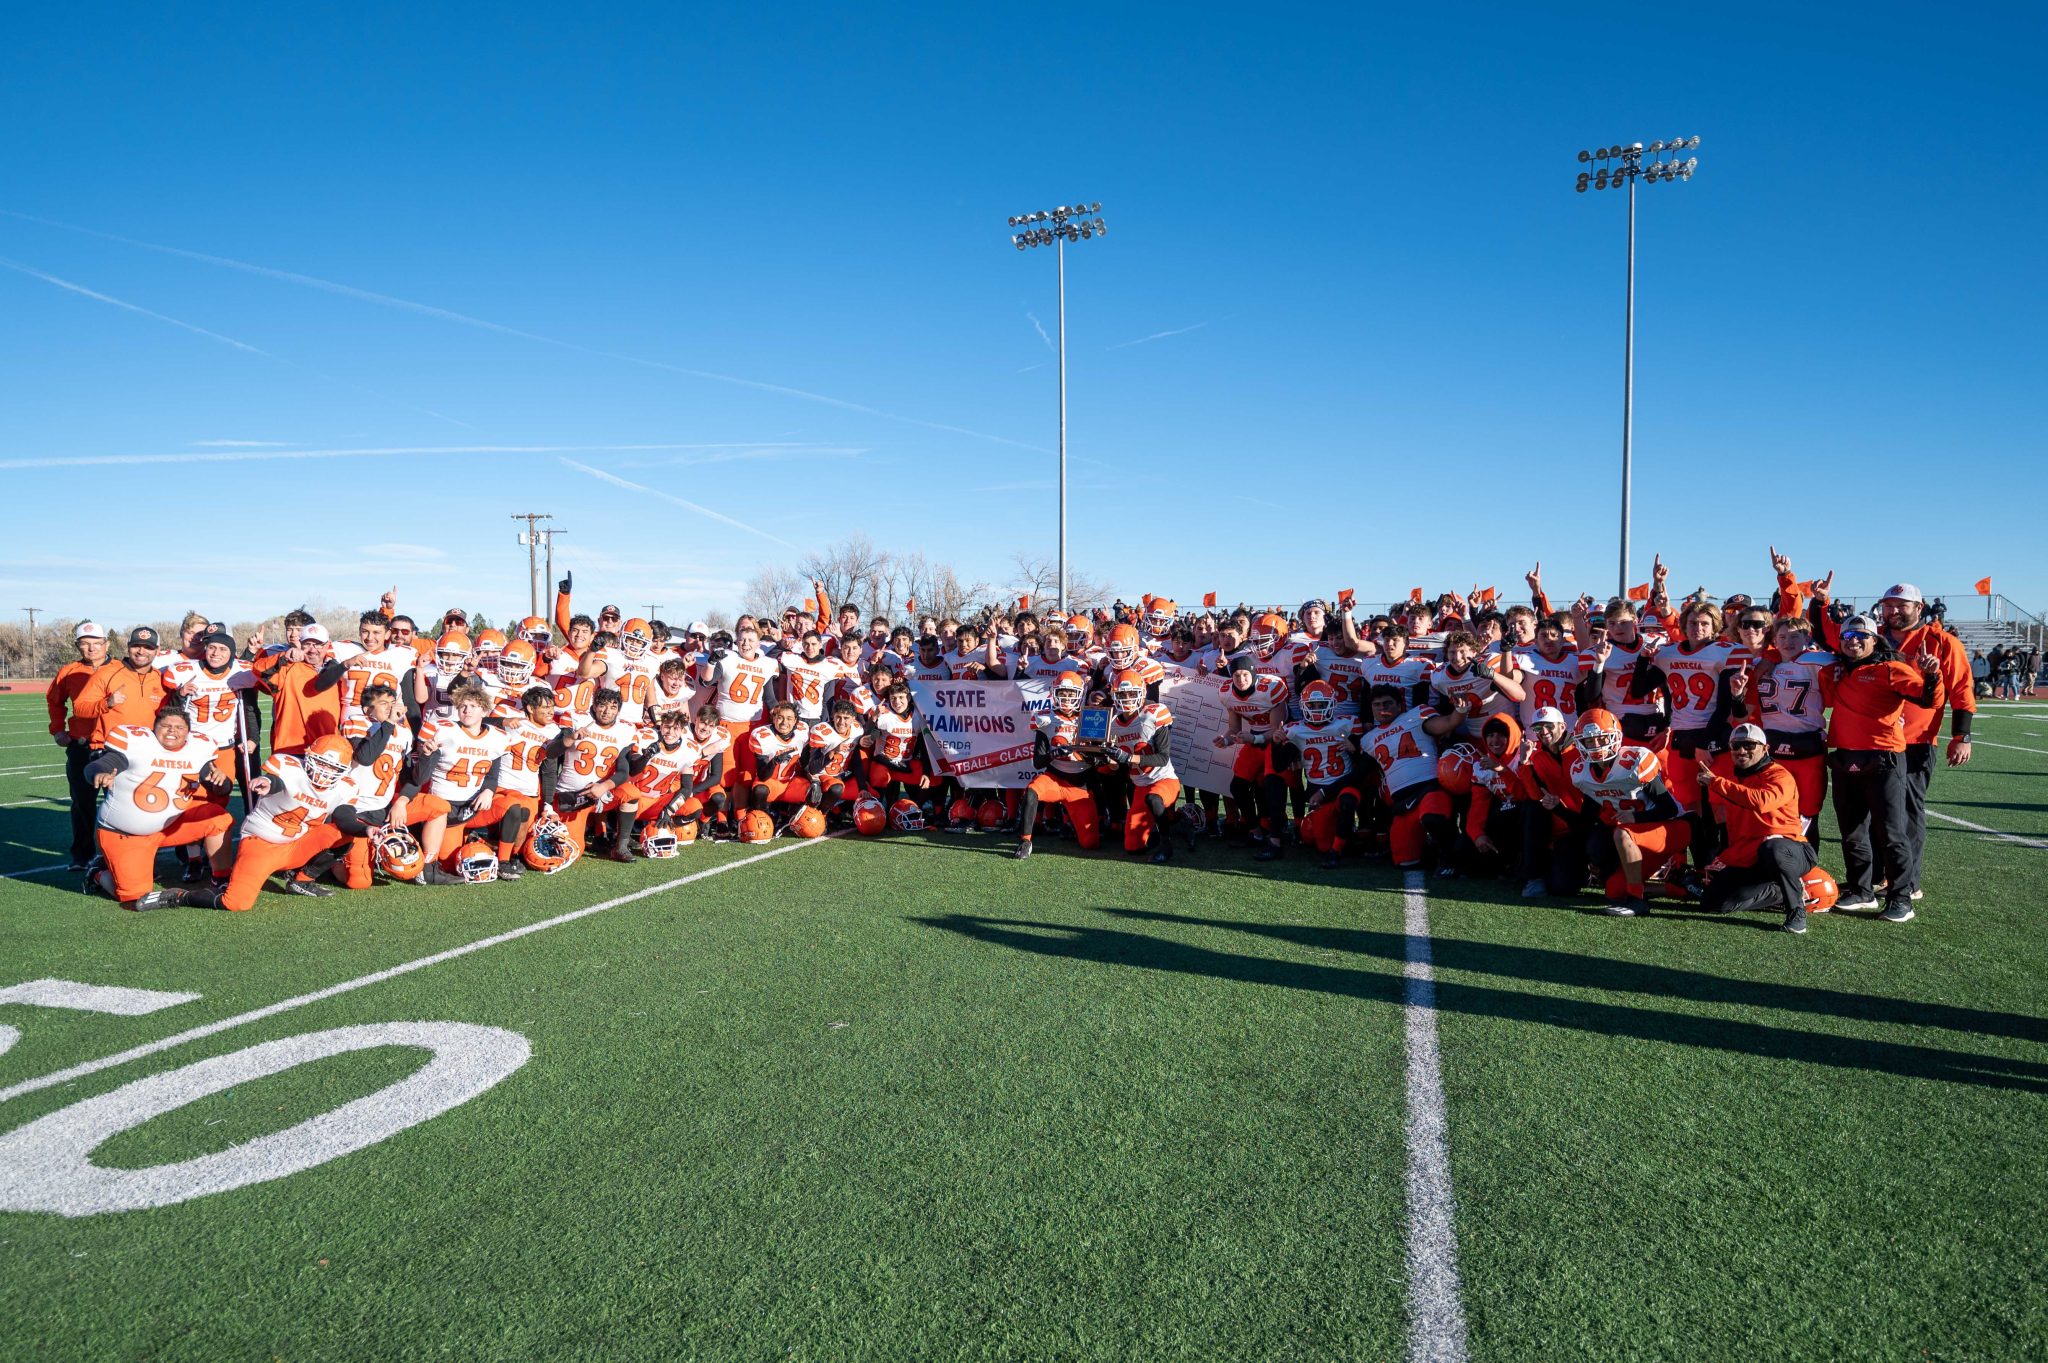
x=1598, y=736
x=1269, y=631
x=516, y=663
x=635, y=638
x=326, y=760
x=451, y=651
x=869, y=817
x=686, y=832
x=1455, y=766
x=397, y=854
x=906, y=817
x=1123, y=646
x=990, y=815
x=659, y=843
x=477, y=863
x=1160, y=617
x=1128, y=693
x=1193, y=819
x=550, y=848
x=1067, y=692
x=808, y=823
x=756, y=826
x=535, y=631
x=1318, y=703
x=490, y=644
x=1821, y=890
x=960, y=812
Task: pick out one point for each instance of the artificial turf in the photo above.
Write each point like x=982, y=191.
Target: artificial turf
x=906, y=1098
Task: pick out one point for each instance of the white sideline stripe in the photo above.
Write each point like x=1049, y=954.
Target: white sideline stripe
x=79, y=1071
x=1436, y=1313
x=93, y=998
x=33, y=871
x=1990, y=832
x=33, y=766
x=32, y=800
x=2010, y=747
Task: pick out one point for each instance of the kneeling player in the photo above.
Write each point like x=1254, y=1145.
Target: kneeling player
x=304, y=810
x=1320, y=747
x=1402, y=743
x=1140, y=746
x=1643, y=827
x=1062, y=768
x=454, y=775
x=830, y=757
x=776, y=785
x=163, y=790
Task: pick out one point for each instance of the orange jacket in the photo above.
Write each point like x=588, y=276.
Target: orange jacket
x=64, y=688
x=141, y=693
x=1958, y=687
x=1763, y=804
x=298, y=713
x=1867, y=705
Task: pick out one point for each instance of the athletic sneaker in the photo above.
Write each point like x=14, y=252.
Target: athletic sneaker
x=306, y=888
x=156, y=899
x=1795, y=921
x=1534, y=889
x=1856, y=899
x=1626, y=908
x=1898, y=911
x=1023, y=849
x=511, y=870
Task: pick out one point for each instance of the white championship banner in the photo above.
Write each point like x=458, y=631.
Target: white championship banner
x=1199, y=719
x=979, y=732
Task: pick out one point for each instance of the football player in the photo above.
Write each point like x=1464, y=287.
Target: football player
x=1609, y=680
x=630, y=670
x=741, y=678
x=162, y=790
x=1550, y=671
x=1063, y=767
x=1257, y=705
x=1140, y=747
x=1697, y=675
x=831, y=758
x=1784, y=697
x=809, y=677
x=376, y=779
x=379, y=662
x=305, y=807
x=1468, y=686
x=778, y=753
x=1646, y=830
x=596, y=763
x=454, y=773
x=1321, y=747
x=1402, y=743
x=896, y=749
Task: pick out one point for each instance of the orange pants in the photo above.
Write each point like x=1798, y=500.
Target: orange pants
x=1319, y=825
x=256, y=861
x=1682, y=775
x=790, y=792
x=1810, y=774
x=1660, y=843
x=1081, y=810
x=131, y=857
x=880, y=774
x=739, y=757
x=503, y=802
x=1138, y=823
x=1406, y=839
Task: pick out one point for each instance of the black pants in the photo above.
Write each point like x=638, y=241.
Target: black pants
x=1919, y=773
x=1774, y=881
x=1560, y=862
x=1870, y=805
x=85, y=801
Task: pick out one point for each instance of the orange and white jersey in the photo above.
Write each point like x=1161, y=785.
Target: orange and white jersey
x=1325, y=750
x=839, y=749
x=661, y=701
x=210, y=702
x=896, y=737
x=376, y=785
x=1692, y=678
x=1788, y=701
x=1404, y=750
x=558, y=669
x=1619, y=676
x=709, y=749
x=1346, y=672
x=592, y=754
x=1404, y=676
x=633, y=679
x=1624, y=785
x=918, y=670
x=806, y=684
x=968, y=666
x=157, y=785
x=386, y=667
x=742, y=686
x=572, y=702
x=293, y=804
x=1062, y=731
x=461, y=759
x=668, y=770
x=1549, y=684
x=775, y=757
x=1264, y=709
x=1149, y=669
x=1039, y=669
x=1135, y=736
x=526, y=745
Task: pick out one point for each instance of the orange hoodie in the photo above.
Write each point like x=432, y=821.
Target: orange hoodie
x=1763, y=804
x=1868, y=704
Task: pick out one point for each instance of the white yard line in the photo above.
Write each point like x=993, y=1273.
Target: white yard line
x=35, y=871
x=1988, y=832
x=2009, y=747
x=35, y=800
x=1436, y=1312
x=79, y=1071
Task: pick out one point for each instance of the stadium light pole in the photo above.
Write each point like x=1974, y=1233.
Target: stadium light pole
x=1619, y=164
x=1068, y=222
x=529, y=538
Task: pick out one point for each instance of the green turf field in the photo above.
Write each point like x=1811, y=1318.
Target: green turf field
x=909, y=1099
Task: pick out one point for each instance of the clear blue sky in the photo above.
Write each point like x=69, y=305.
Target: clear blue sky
x=1351, y=327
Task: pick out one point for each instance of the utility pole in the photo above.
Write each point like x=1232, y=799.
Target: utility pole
x=530, y=538
x=33, y=611
x=547, y=538
x=653, y=610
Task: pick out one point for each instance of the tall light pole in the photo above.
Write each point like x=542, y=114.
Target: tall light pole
x=1617, y=165
x=547, y=539
x=33, y=611
x=529, y=538
x=1068, y=222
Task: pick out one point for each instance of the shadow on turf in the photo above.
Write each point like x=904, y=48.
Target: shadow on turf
x=1114, y=947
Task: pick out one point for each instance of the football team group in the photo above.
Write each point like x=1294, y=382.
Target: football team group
x=1639, y=747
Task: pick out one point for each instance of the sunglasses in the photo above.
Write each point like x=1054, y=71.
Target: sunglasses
x=1850, y=636
x=1754, y=624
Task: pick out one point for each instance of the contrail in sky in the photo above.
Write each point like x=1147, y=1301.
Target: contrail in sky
x=269, y=456
x=464, y=319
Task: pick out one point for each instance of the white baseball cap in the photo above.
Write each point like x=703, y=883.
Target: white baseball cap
x=1904, y=591
x=315, y=634
x=88, y=630
x=1549, y=714
x=1747, y=733
x=698, y=627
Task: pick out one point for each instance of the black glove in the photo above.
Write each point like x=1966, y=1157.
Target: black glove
x=461, y=813
x=567, y=579
x=1482, y=668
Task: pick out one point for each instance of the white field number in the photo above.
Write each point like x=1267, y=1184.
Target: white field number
x=46, y=1165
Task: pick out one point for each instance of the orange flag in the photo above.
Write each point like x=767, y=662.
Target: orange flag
x=1415, y=596
x=1489, y=595
x=1208, y=598
x=1346, y=597
x=1639, y=593
x=1983, y=586
x=1023, y=603
x=911, y=605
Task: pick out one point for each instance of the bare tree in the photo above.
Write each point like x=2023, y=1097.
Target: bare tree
x=853, y=573
x=769, y=590
x=1039, y=578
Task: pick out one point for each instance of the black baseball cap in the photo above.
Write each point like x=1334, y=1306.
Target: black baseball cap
x=142, y=634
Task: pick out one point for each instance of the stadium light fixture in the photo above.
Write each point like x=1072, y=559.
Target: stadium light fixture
x=1078, y=221
x=1658, y=163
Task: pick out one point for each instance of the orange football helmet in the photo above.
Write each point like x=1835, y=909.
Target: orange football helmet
x=869, y=817
x=397, y=854
x=1159, y=619
x=490, y=644
x=990, y=816
x=550, y=848
x=1127, y=694
x=1318, y=703
x=961, y=811
x=756, y=826
x=659, y=843
x=636, y=636
x=326, y=760
x=906, y=817
x=517, y=662
x=451, y=651
x=1454, y=768
x=1821, y=890
x=1598, y=736
x=535, y=631
x=686, y=832
x=1067, y=692
x=1124, y=646
x=808, y=823
x=1269, y=631
x=477, y=862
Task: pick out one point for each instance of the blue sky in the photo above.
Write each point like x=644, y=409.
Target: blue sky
x=1351, y=327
